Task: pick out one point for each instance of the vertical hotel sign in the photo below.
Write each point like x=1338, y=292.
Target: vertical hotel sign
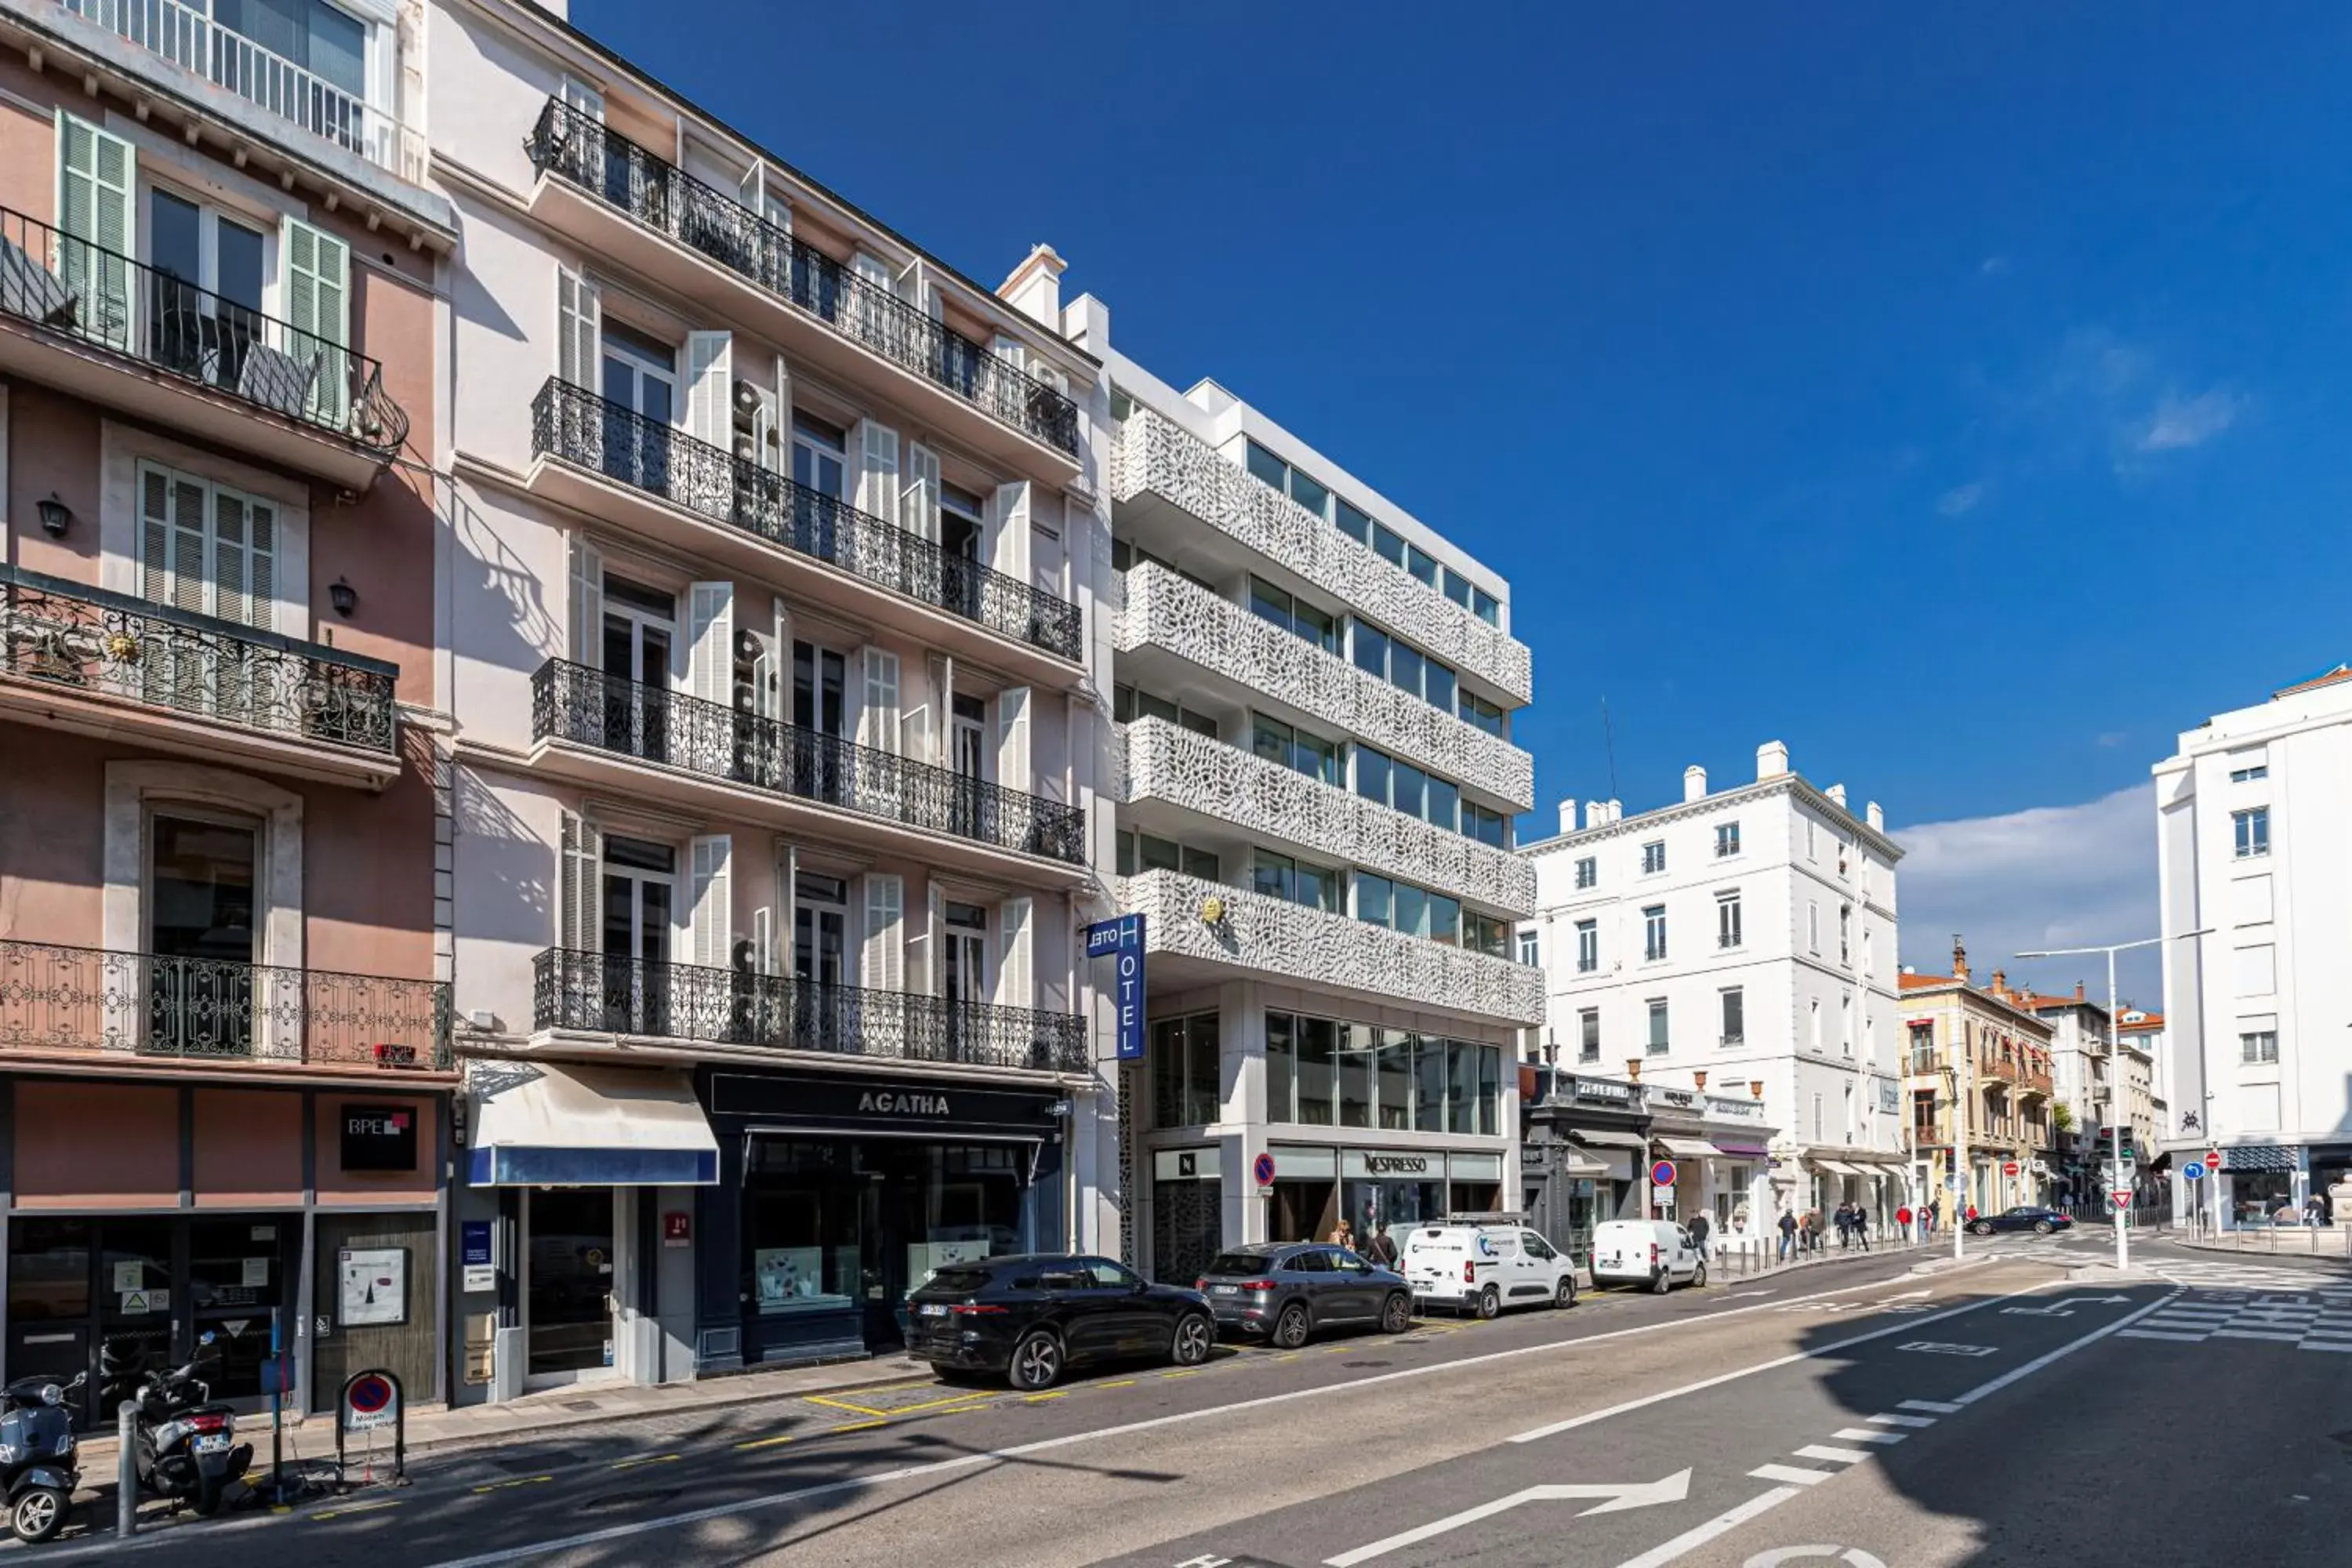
x=1121, y=940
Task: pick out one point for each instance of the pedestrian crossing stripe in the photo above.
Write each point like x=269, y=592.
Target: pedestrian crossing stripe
x=2309, y=1318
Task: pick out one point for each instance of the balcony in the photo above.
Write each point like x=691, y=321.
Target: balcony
x=230, y=61
x=601, y=994
x=618, y=464
x=1168, y=617
x=826, y=786
x=1231, y=789
x=643, y=211
x=89, y=1004
x=1156, y=463
x=105, y=664
x=101, y=326
x=1261, y=937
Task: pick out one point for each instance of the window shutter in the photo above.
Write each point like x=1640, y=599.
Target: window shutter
x=187, y=554
x=578, y=323
x=1008, y=531
x=763, y=940
x=1015, y=983
x=883, y=963
x=587, y=605
x=878, y=712
x=785, y=411
x=1010, y=350
x=780, y=621
x=919, y=495
x=262, y=559
x=932, y=979
x=170, y=538
x=876, y=450
x=710, y=388
x=580, y=95
x=96, y=174
x=231, y=599
x=713, y=908
x=319, y=304
x=1012, y=739
x=711, y=651
x=578, y=899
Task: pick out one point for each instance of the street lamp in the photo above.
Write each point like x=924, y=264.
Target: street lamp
x=2116, y=1115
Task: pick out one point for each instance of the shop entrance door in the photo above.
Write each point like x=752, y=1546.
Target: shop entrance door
x=568, y=1286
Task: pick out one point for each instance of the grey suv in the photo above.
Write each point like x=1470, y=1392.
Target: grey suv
x=1285, y=1291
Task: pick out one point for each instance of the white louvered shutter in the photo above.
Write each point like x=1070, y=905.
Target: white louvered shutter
x=244, y=545
x=1016, y=981
x=876, y=451
x=96, y=175
x=882, y=965
x=582, y=96
x=877, y=290
x=172, y=526
x=763, y=940
x=877, y=709
x=1010, y=350
x=918, y=494
x=579, y=325
x=710, y=649
x=1013, y=768
x=319, y=308
x=710, y=388
x=588, y=606
x=1008, y=531
x=931, y=979
x=712, y=921
x=578, y=899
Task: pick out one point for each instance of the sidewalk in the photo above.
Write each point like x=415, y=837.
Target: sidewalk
x=2328, y=1243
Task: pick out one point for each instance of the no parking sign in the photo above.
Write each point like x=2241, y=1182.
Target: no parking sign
x=1662, y=1174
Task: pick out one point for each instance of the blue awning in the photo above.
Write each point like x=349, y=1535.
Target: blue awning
x=571, y=1125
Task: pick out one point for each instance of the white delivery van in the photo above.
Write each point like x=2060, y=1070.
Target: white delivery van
x=1485, y=1266
x=1653, y=1252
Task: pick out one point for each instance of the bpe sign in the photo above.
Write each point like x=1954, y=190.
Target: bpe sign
x=1122, y=940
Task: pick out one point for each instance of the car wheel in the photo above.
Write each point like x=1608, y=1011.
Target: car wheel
x=1980, y=1227
x=1662, y=1281
x=1698, y=1276
x=1396, y=1313
x=1037, y=1362
x=1565, y=1295
x=1291, y=1328
x=2042, y=1227
x=1490, y=1304
x=38, y=1515
x=1195, y=1337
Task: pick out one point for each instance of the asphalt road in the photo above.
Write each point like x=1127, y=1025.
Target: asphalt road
x=1915, y=1421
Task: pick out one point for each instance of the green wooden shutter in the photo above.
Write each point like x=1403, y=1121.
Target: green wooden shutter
x=95, y=175
x=318, y=308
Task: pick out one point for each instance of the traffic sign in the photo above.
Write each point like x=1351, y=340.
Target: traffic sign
x=2213, y=1161
x=2009, y=1167
x=2121, y=1197
x=370, y=1402
x=1662, y=1174
x=1263, y=1168
x=2193, y=1172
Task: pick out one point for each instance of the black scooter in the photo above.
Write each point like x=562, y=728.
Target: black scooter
x=188, y=1451
x=37, y=1471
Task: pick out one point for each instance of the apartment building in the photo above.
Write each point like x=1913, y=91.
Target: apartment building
x=2139, y=1035
x=225, y=1053
x=2251, y=851
x=2085, y=1075
x=1314, y=694
x=780, y=683
x=1741, y=939
x=1981, y=1086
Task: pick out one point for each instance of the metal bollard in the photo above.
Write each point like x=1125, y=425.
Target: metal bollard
x=126, y=1480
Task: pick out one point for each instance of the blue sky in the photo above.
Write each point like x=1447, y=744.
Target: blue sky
x=1956, y=402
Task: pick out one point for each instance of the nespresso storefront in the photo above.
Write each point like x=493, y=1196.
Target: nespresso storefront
x=839, y=1193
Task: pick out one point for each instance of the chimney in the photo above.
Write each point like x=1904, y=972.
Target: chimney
x=2001, y=985
x=1836, y=792
x=1875, y=817
x=1772, y=760
x=2078, y=990
x=1959, y=959
x=1596, y=815
x=1567, y=816
x=1035, y=287
x=1693, y=783
x=1616, y=810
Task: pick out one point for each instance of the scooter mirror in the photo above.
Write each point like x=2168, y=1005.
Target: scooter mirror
x=206, y=1339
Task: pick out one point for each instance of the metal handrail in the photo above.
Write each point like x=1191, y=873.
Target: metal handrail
x=573, y=144
x=92, y=999
x=614, y=994
x=94, y=639
x=579, y=426
x=612, y=713
x=102, y=298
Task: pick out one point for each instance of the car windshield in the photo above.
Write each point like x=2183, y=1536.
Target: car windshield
x=958, y=1281
x=1240, y=1263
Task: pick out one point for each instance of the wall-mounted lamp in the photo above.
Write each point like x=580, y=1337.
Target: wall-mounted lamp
x=343, y=596
x=55, y=516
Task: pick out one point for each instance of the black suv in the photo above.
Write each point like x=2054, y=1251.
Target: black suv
x=1029, y=1317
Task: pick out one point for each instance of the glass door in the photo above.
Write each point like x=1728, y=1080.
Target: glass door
x=966, y=745
x=966, y=976
x=200, y=931
x=568, y=1328
x=641, y=403
x=819, y=462
x=820, y=714
x=640, y=625
x=640, y=903
x=820, y=936
x=960, y=536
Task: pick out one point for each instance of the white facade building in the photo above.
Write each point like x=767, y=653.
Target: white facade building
x=1744, y=937
x=1314, y=693
x=2253, y=848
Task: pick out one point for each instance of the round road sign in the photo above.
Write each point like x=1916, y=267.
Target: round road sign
x=2009, y=1167
x=2193, y=1172
x=2213, y=1161
x=370, y=1402
x=1662, y=1174
x=1263, y=1168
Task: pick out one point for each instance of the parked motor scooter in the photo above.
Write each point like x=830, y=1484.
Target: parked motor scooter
x=187, y=1444
x=38, y=1470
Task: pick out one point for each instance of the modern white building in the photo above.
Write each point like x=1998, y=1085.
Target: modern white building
x=2254, y=849
x=1314, y=693
x=778, y=671
x=1744, y=937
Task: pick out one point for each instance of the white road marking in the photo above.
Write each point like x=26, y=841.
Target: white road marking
x=1835, y=1456
x=2069, y=1348
x=1935, y=1405
x=1864, y=1434
x=1891, y=1419
x=1796, y=1473
x=1721, y=1524
x=1673, y=1488
x=1934, y=1347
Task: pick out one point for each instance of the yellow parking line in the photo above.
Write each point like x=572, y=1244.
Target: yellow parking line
x=843, y=1404
x=1120, y=1382
x=856, y=1426
x=1041, y=1398
x=357, y=1508
x=645, y=1459
x=768, y=1442
x=517, y=1481
x=1183, y=1371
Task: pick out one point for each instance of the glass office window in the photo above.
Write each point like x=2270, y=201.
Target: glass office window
x=1265, y=466
x=1429, y=1084
x=1318, y=1070
x=1355, y=1051
x=1461, y=1077
x=1281, y=1066
x=1353, y=521
x=1395, y=1074
x=1375, y=899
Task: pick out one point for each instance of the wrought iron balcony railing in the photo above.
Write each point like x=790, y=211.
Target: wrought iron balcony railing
x=590, y=708
x=165, y=323
x=207, y=1009
x=577, y=425
x=605, y=993
x=575, y=146
x=94, y=640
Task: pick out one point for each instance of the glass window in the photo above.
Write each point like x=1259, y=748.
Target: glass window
x=1485, y=607
x=1317, y=887
x=1657, y=1043
x=1457, y=587
x=1395, y=1075
x=1476, y=711
x=1315, y=757
x=1405, y=668
x=2261, y=1046
x=1375, y=899
x=1588, y=1034
x=1727, y=839
x=1588, y=946
x=1318, y=1070
x=1353, y=521
x=1654, y=858
x=1588, y=871
x=2253, y=831
x=1486, y=827
x=1202, y=864
x=1411, y=910
x=1270, y=603
x=1530, y=948
x=1727, y=919
x=1462, y=1075
x=1148, y=706
x=1490, y=1090
x=1270, y=738
x=1734, y=1016
x=1318, y=626
x=2247, y=776
x=1310, y=494
x=1445, y=920
x=1408, y=789
x=1428, y=1084
x=1200, y=1069
x=1437, y=685
x=1372, y=774
x=1272, y=875
x=1444, y=804
x=1281, y=1066
x=1420, y=564
x=1269, y=468
x=1387, y=545
x=1368, y=646
x=1355, y=1052
x=1654, y=933
x=1484, y=933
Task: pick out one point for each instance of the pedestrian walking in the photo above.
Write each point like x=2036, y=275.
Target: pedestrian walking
x=1380, y=1250
x=2315, y=1210
x=1699, y=1228
x=1845, y=1226
x=1788, y=1224
x=1861, y=1227
x=1344, y=1237
x=1935, y=1217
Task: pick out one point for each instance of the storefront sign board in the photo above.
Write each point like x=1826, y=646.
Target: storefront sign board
x=379, y=1137
x=1121, y=940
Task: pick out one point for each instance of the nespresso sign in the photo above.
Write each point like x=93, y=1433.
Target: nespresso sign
x=1396, y=1164
x=379, y=1137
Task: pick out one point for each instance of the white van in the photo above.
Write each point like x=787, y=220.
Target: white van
x=1485, y=1266
x=1653, y=1252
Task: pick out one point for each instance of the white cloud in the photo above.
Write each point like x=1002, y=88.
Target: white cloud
x=1961, y=500
x=2051, y=876
x=1994, y=265
x=2180, y=422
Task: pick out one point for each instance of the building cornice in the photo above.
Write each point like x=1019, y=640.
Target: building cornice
x=1683, y=811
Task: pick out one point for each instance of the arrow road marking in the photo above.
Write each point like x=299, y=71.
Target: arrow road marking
x=2064, y=1309
x=1636, y=1494
x=1721, y=1524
